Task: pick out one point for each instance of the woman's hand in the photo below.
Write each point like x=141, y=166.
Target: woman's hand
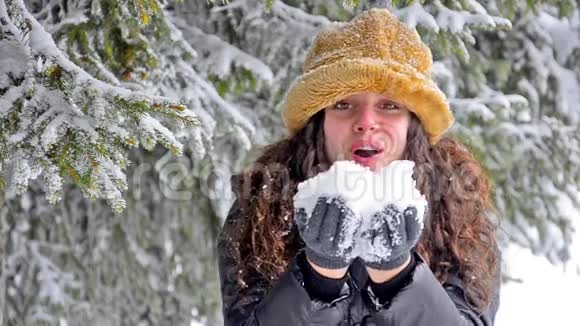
x=387, y=238
x=328, y=233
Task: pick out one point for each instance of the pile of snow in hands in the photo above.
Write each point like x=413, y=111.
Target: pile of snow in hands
x=365, y=192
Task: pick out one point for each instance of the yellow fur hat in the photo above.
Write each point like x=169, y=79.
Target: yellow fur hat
x=374, y=52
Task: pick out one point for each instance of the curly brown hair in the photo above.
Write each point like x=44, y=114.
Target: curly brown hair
x=458, y=237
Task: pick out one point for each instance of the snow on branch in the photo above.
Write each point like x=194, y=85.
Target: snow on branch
x=57, y=120
x=454, y=27
x=293, y=14
x=219, y=56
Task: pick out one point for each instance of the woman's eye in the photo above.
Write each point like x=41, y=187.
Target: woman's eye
x=391, y=107
x=341, y=106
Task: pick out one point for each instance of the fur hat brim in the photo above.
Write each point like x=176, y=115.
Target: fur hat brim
x=325, y=85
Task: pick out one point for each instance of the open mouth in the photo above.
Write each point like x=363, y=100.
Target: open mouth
x=366, y=152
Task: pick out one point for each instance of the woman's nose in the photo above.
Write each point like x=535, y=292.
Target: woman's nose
x=365, y=120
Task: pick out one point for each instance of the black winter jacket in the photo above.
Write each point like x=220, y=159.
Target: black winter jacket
x=423, y=302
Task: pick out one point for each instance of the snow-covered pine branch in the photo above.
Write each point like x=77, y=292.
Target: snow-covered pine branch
x=57, y=120
x=537, y=130
x=451, y=26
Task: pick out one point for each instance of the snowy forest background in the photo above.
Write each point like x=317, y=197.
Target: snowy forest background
x=122, y=121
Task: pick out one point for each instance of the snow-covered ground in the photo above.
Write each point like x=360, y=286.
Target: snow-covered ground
x=548, y=294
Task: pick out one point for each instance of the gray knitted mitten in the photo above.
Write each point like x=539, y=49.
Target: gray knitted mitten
x=328, y=232
x=386, y=241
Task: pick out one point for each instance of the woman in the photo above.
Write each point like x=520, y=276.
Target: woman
x=365, y=96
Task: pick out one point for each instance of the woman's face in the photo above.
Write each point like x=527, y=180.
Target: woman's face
x=368, y=128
